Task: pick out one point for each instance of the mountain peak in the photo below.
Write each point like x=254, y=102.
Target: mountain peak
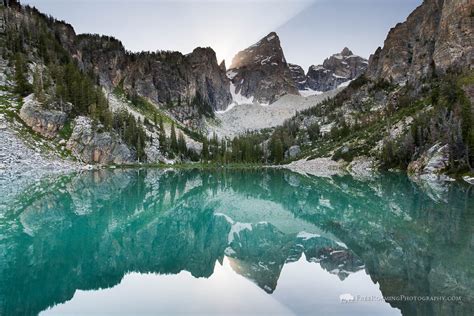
x=271, y=36
x=222, y=65
x=335, y=70
x=346, y=52
x=261, y=72
x=265, y=51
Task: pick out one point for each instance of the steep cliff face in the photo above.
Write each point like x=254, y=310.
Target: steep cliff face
x=261, y=73
x=165, y=78
x=335, y=70
x=298, y=76
x=437, y=36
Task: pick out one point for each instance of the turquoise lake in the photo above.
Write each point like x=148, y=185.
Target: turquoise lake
x=236, y=242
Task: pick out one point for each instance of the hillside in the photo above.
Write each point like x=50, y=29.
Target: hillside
x=411, y=110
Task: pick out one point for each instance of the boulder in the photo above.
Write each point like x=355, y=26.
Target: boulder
x=292, y=152
x=91, y=146
x=432, y=164
x=45, y=121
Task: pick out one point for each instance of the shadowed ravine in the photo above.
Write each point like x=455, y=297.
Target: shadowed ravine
x=87, y=231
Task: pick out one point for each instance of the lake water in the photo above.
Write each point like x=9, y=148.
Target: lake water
x=236, y=242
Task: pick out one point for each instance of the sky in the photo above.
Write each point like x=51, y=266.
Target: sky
x=309, y=30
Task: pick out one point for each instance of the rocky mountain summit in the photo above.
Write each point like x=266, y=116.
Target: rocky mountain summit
x=335, y=70
x=436, y=37
x=261, y=73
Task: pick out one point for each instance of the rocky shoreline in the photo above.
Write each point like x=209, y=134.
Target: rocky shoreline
x=21, y=163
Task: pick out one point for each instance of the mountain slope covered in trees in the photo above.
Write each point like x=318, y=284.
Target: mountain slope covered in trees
x=412, y=110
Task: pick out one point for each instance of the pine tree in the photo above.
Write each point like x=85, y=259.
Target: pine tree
x=22, y=86
x=38, y=88
x=173, y=140
x=139, y=148
x=181, y=144
x=276, y=149
x=162, y=136
x=205, y=150
x=108, y=120
x=223, y=152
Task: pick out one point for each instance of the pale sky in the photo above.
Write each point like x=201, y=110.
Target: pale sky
x=310, y=30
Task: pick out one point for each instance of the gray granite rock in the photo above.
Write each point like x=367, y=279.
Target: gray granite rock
x=335, y=70
x=43, y=120
x=91, y=146
x=292, y=152
x=438, y=35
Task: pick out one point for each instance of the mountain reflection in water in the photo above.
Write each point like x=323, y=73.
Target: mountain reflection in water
x=94, y=230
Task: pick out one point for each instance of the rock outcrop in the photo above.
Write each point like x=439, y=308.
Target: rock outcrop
x=292, y=152
x=91, y=146
x=298, y=76
x=335, y=70
x=432, y=164
x=437, y=36
x=46, y=121
x=260, y=73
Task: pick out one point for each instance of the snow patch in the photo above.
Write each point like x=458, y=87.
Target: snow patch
x=325, y=203
x=229, y=251
x=339, y=77
x=271, y=38
x=231, y=74
x=343, y=245
x=238, y=98
x=229, y=107
x=305, y=235
x=309, y=92
x=316, y=68
x=236, y=229
x=227, y=218
x=344, y=84
x=265, y=60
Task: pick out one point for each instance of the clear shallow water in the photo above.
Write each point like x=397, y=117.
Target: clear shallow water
x=235, y=242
